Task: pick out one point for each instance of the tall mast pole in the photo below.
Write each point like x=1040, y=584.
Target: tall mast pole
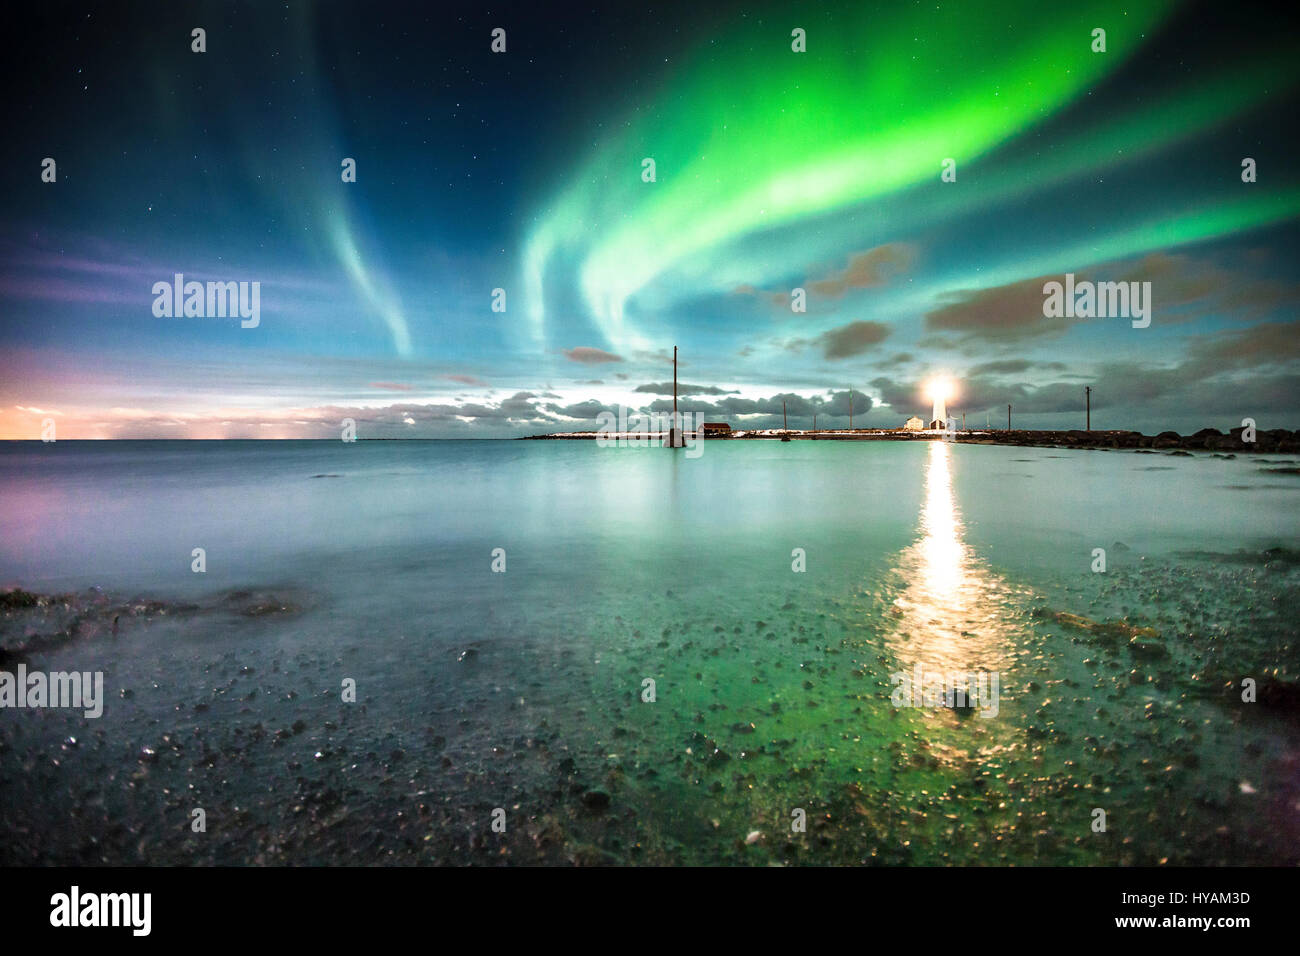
x=1087, y=394
x=675, y=437
x=674, y=386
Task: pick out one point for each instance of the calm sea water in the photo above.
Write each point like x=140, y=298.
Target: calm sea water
x=526, y=690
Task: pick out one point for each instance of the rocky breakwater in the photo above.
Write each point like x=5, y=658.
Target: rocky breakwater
x=1207, y=439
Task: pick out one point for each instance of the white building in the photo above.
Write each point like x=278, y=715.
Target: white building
x=913, y=424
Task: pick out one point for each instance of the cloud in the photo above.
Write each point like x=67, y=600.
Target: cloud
x=666, y=388
x=902, y=358
x=1005, y=313
x=586, y=411
x=868, y=269
x=590, y=356
x=1253, y=371
x=830, y=405
x=1269, y=343
x=1179, y=280
x=852, y=339
x=393, y=386
x=1183, y=288
x=865, y=270
x=467, y=380
x=1013, y=367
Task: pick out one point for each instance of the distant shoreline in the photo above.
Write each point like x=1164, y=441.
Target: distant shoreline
x=1276, y=440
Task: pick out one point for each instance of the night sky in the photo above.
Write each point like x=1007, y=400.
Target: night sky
x=523, y=171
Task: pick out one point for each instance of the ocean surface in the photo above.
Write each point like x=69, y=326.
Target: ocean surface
x=684, y=661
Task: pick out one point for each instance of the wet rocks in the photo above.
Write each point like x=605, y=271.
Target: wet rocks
x=1207, y=439
x=1279, y=696
x=1145, y=643
x=18, y=598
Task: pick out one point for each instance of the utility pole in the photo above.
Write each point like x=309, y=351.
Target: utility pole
x=1087, y=394
x=963, y=421
x=673, y=431
x=675, y=437
x=1008, y=418
x=850, y=408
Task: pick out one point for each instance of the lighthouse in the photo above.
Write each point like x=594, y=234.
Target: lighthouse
x=940, y=417
x=939, y=390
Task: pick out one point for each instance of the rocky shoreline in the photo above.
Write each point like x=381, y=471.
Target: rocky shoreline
x=1207, y=439
x=603, y=785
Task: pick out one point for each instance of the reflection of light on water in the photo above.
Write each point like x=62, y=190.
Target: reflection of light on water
x=952, y=613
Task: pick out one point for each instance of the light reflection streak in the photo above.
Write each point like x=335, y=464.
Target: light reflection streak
x=952, y=612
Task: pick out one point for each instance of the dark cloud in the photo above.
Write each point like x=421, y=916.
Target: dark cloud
x=853, y=339
x=666, y=388
x=1005, y=313
x=1014, y=367
x=520, y=406
x=587, y=411
x=590, y=356
x=902, y=358
x=843, y=341
x=1269, y=343
x=1184, y=287
x=865, y=270
x=1008, y=367
x=830, y=405
x=874, y=267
